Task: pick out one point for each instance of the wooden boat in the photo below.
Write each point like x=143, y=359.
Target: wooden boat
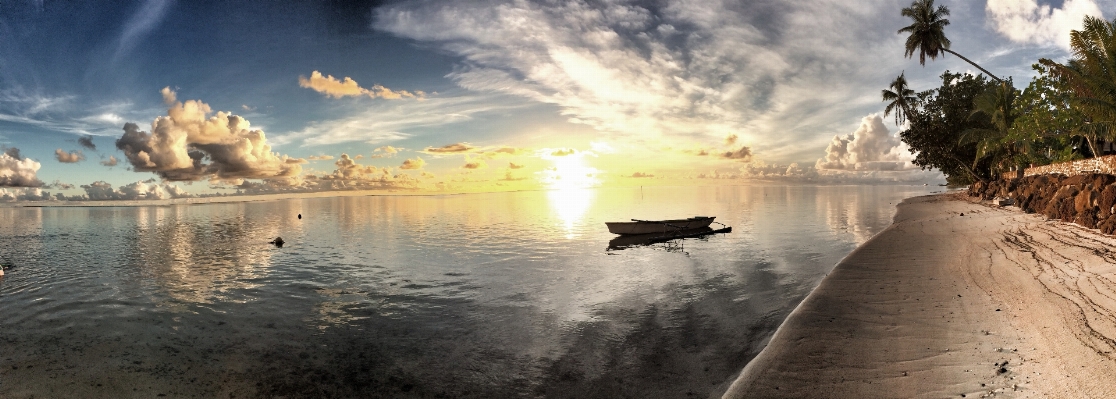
x=658, y=226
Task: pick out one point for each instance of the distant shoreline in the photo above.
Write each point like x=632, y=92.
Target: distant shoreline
x=954, y=298
x=363, y=193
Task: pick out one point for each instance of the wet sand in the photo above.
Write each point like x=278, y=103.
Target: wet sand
x=955, y=299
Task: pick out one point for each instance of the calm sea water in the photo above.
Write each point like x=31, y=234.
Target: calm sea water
x=485, y=295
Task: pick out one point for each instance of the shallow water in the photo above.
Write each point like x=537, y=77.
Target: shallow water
x=483, y=295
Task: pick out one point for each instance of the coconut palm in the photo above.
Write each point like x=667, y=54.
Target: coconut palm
x=998, y=105
x=1091, y=77
x=926, y=33
x=900, y=99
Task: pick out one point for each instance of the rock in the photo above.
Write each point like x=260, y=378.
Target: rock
x=278, y=241
x=1084, y=201
x=1107, y=200
x=1001, y=201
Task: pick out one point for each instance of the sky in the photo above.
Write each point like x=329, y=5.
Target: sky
x=166, y=99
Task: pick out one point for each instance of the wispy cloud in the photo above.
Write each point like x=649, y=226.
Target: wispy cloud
x=386, y=122
x=686, y=69
x=139, y=25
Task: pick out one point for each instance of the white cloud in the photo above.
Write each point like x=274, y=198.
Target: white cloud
x=1025, y=21
x=337, y=88
x=140, y=190
x=391, y=121
x=141, y=23
x=688, y=68
x=412, y=164
x=27, y=194
x=181, y=143
x=69, y=157
x=870, y=147
x=16, y=171
x=111, y=161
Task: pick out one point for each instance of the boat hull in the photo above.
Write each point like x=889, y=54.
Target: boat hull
x=658, y=226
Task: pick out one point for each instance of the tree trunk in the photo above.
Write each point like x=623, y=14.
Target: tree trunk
x=974, y=64
x=968, y=169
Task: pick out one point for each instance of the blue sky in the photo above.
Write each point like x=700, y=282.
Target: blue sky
x=532, y=93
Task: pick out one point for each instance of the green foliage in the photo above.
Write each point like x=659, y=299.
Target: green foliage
x=994, y=108
x=1047, y=122
x=1090, y=78
x=935, y=133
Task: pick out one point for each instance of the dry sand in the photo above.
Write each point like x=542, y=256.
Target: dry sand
x=935, y=305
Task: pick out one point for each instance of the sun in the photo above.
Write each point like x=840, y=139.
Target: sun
x=570, y=172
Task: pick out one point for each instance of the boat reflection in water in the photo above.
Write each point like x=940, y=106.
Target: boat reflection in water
x=647, y=232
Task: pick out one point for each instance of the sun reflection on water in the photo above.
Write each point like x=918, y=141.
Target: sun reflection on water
x=570, y=204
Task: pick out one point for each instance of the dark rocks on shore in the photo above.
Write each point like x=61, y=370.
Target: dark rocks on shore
x=1087, y=199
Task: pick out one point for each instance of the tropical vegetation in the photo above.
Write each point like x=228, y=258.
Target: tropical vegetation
x=973, y=128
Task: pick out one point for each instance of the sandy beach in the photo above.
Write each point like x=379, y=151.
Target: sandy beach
x=955, y=299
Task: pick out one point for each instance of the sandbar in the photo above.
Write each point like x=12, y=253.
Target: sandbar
x=954, y=299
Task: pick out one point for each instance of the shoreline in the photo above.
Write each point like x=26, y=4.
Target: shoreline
x=940, y=317
x=235, y=198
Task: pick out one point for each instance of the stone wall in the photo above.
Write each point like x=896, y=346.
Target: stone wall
x=1104, y=165
x=1087, y=199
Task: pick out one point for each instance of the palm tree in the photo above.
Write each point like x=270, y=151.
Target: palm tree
x=1091, y=76
x=996, y=104
x=900, y=99
x=927, y=35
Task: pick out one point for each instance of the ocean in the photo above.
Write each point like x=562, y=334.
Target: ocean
x=497, y=295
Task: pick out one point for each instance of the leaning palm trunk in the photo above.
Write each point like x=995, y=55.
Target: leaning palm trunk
x=973, y=64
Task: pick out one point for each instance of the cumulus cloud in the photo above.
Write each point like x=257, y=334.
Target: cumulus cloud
x=412, y=164
x=478, y=164
x=455, y=148
x=511, y=176
x=1025, y=21
x=384, y=152
x=348, y=168
x=337, y=88
x=742, y=153
x=513, y=165
x=87, y=142
x=641, y=174
x=27, y=194
x=111, y=161
x=349, y=175
x=563, y=152
x=870, y=147
x=730, y=140
x=140, y=190
x=16, y=171
x=493, y=152
x=69, y=157
x=319, y=157
x=191, y=143
x=59, y=185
